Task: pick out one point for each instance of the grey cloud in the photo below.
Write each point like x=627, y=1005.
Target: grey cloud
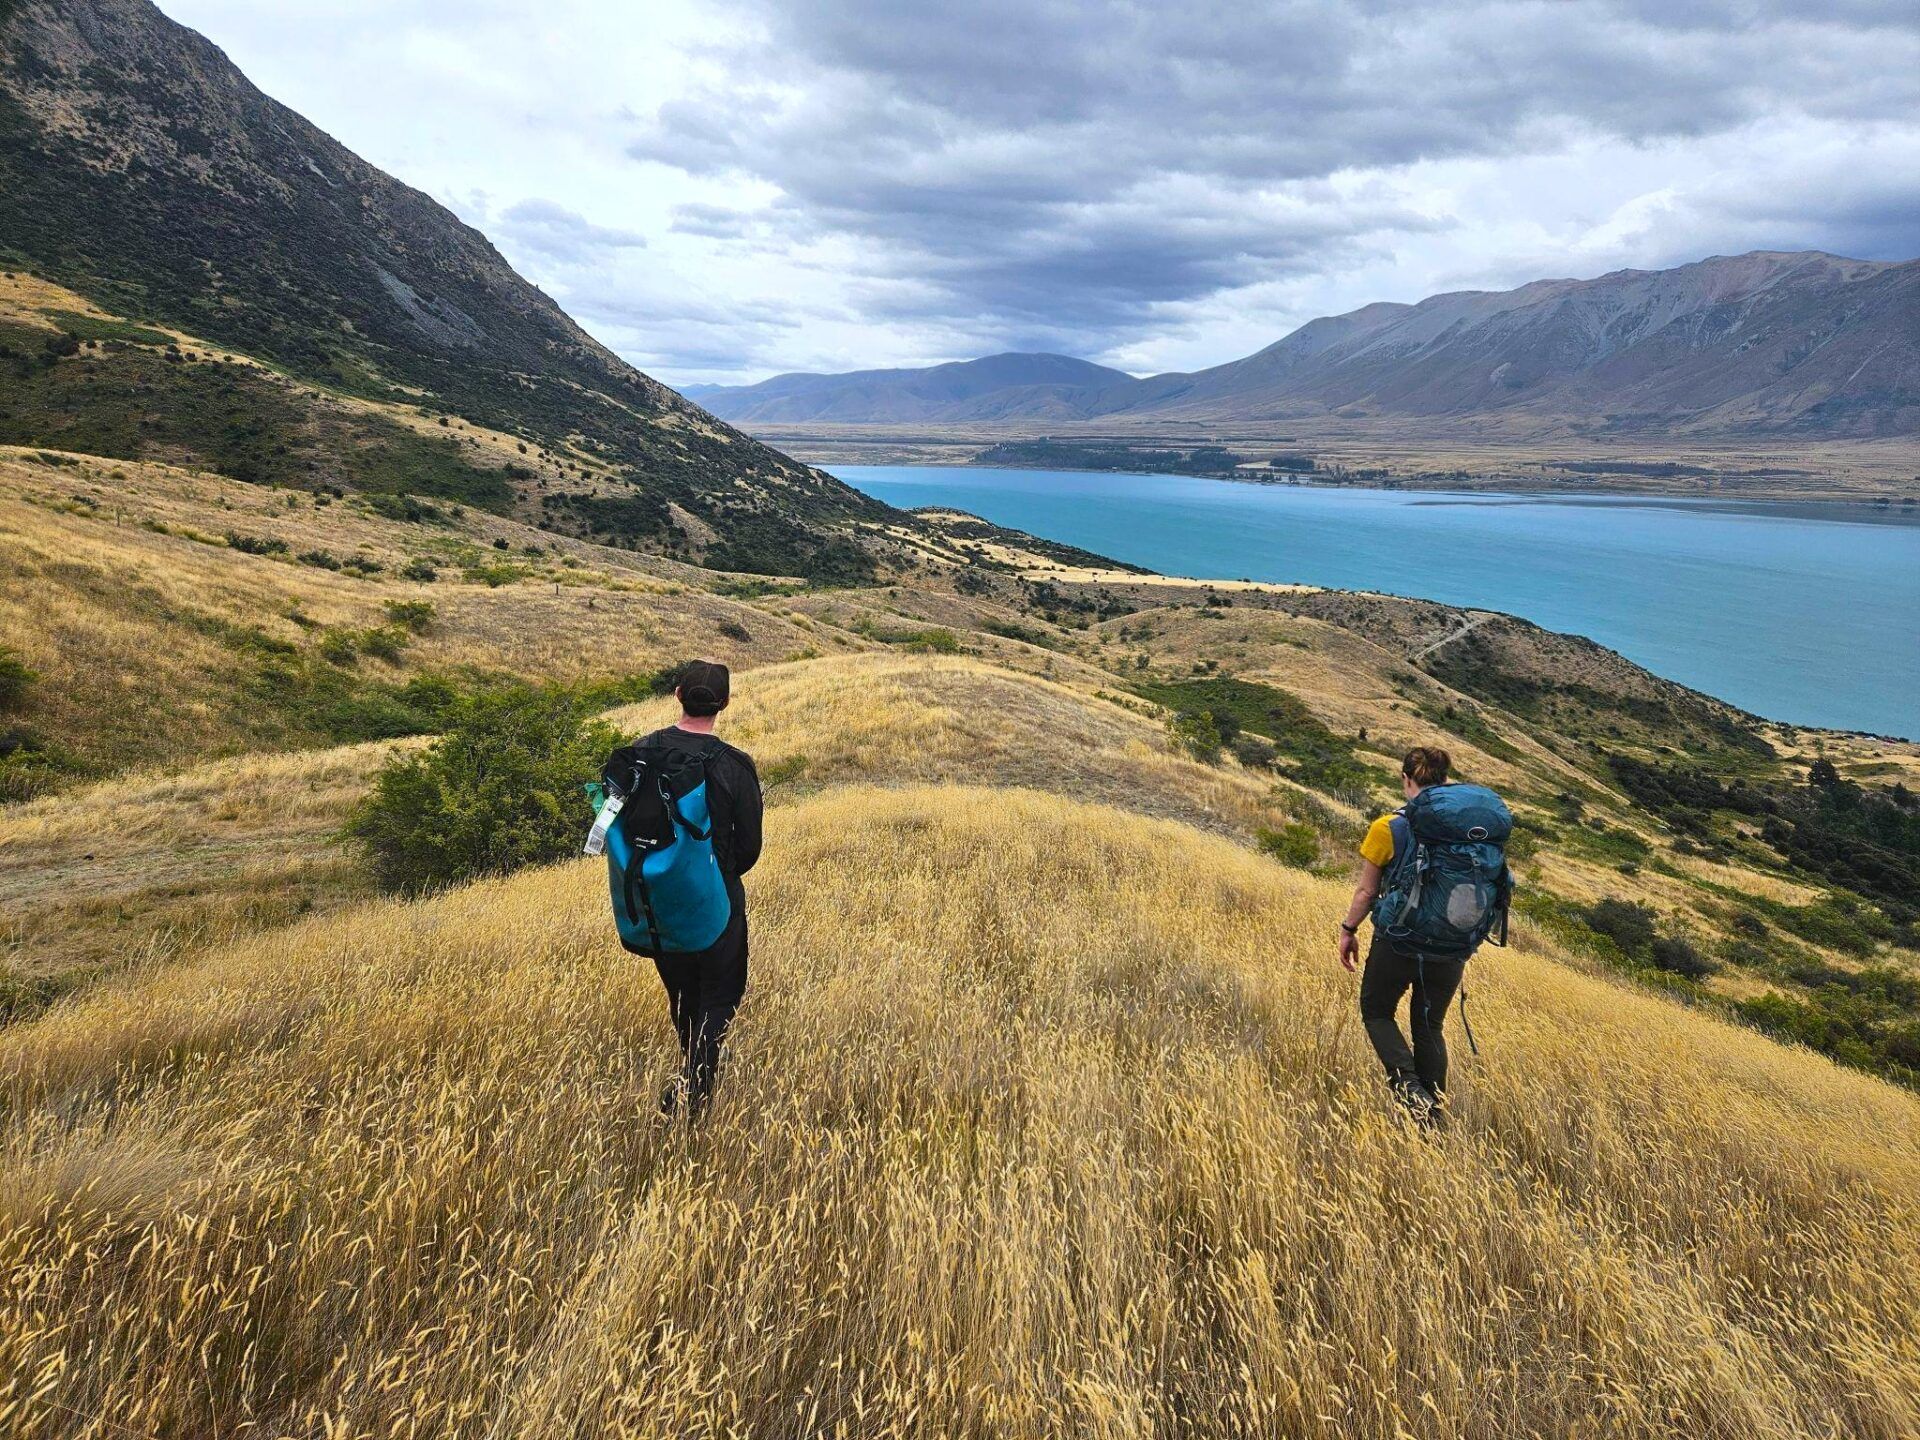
x=1043, y=167
x=545, y=228
x=717, y=222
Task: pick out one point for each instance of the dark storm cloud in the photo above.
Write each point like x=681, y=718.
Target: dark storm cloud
x=1052, y=166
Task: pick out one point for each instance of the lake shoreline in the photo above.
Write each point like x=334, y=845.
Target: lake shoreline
x=1740, y=598
x=1811, y=471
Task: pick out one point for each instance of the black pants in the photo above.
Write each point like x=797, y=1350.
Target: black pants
x=1392, y=972
x=703, y=991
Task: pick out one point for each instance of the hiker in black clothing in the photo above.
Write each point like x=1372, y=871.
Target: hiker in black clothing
x=1399, y=964
x=704, y=987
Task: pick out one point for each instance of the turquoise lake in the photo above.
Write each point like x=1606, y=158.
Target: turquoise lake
x=1803, y=613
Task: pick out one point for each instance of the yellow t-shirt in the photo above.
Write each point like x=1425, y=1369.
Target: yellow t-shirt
x=1378, y=846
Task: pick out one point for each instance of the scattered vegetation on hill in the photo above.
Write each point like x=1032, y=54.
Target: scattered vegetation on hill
x=1865, y=840
x=1213, y=711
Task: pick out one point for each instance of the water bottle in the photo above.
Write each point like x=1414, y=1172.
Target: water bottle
x=603, y=822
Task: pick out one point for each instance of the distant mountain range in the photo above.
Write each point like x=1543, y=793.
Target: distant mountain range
x=1000, y=387
x=1764, y=342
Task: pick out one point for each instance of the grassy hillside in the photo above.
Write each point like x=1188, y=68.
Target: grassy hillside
x=168, y=617
x=1049, y=1112
x=1044, y=1119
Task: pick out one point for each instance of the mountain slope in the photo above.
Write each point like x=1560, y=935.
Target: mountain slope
x=1042, y=1119
x=144, y=172
x=1765, y=343
x=1753, y=342
x=994, y=388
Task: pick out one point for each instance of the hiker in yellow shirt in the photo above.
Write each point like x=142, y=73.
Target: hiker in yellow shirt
x=1417, y=1073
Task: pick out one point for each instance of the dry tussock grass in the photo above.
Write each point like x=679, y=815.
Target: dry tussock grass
x=209, y=853
x=153, y=864
x=1043, y=1120
x=138, y=636
x=899, y=719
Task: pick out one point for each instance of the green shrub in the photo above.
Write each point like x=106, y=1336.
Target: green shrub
x=495, y=576
x=498, y=790
x=419, y=571
x=628, y=689
x=15, y=678
x=30, y=766
x=256, y=545
x=1292, y=844
x=319, y=559
x=1628, y=925
x=405, y=507
x=384, y=642
x=1194, y=733
x=734, y=630
x=339, y=647
x=414, y=615
x=1679, y=956
x=1254, y=752
x=937, y=641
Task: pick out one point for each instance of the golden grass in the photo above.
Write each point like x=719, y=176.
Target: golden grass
x=152, y=865
x=1043, y=1120
x=137, y=634
x=902, y=719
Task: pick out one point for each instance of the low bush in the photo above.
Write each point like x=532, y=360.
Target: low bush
x=1195, y=733
x=1628, y=925
x=1254, y=752
x=256, y=544
x=498, y=790
x=414, y=615
x=1292, y=844
x=409, y=508
x=384, y=642
x=16, y=678
x=1679, y=956
x=339, y=647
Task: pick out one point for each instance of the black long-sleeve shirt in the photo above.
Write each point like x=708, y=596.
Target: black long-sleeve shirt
x=733, y=800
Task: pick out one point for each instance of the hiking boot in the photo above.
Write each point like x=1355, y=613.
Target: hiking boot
x=1419, y=1102
x=670, y=1097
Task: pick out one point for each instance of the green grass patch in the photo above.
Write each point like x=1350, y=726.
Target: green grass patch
x=93, y=327
x=1308, y=751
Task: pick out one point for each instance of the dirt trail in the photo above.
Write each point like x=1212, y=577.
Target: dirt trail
x=1478, y=619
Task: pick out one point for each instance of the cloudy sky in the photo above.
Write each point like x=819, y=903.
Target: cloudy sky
x=726, y=191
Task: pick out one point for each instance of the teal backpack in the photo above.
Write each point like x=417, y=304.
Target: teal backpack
x=669, y=896
x=1448, y=887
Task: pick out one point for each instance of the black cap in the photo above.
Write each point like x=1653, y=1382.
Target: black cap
x=704, y=687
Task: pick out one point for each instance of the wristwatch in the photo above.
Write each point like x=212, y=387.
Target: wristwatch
x=1350, y=929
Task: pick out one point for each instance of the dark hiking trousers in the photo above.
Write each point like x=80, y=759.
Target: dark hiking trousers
x=1392, y=972
x=703, y=990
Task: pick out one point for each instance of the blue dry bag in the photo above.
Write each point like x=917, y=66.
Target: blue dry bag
x=669, y=896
